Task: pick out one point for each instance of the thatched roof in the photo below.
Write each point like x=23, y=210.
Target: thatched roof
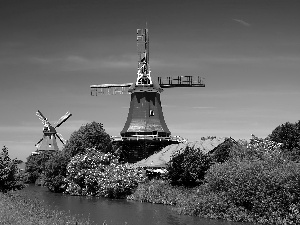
x=162, y=157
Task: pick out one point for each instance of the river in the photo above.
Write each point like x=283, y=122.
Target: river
x=117, y=211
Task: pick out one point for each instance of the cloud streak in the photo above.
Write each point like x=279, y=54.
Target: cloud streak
x=242, y=22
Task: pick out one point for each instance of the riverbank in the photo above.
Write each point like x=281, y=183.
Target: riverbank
x=17, y=209
x=198, y=201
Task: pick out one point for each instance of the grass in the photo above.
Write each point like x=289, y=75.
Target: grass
x=16, y=209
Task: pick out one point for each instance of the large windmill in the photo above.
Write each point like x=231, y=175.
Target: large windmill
x=48, y=141
x=145, y=130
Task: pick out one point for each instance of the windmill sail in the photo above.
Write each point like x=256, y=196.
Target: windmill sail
x=37, y=144
x=110, y=89
x=40, y=115
x=63, y=119
x=60, y=137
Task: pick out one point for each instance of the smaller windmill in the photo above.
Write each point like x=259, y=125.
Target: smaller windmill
x=48, y=141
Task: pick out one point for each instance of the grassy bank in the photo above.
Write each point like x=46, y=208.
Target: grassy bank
x=16, y=209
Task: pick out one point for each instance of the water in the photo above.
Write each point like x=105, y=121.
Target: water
x=117, y=212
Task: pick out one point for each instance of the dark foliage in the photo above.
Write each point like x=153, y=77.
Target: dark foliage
x=9, y=173
x=188, y=167
x=35, y=165
x=55, y=171
x=221, y=153
x=91, y=135
x=289, y=135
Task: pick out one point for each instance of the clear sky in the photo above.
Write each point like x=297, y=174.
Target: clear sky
x=51, y=51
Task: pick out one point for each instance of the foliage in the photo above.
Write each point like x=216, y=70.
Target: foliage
x=55, y=171
x=256, y=184
x=9, y=173
x=289, y=135
x=100, y=174
x=35, y=165
x=160, y=191
x=260, y=181
x=91, y=135
x=221, y=153
x=188, y=167
x=28, y=211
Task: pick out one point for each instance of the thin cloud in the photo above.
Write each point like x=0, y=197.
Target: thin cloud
x=242, y=22
x=76, y=62
x=203, y=107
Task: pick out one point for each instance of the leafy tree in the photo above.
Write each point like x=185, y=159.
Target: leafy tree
x=55, y=171
x=91, y=135
x=188, y=168
x=9, y=172
x=289, y=135
x=221, y=153
x=35, y=165
x=100, y=174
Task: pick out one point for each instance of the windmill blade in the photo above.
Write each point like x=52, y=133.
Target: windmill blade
x=39, y=142
x=60, y=137
x=63, y=119
x=39, y=114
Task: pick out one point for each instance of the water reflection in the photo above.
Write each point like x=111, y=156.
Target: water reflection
x=117, y=212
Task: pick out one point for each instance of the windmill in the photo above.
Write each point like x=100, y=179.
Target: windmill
x=48, y=141
x=145, y=130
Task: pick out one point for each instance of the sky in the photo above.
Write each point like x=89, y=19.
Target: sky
x=51, y=51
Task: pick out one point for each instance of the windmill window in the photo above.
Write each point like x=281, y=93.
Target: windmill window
x=151, y=112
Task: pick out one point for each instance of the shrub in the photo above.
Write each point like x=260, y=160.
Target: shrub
x=100, y=174
x=9, y=173
x=289, y=135
x=35, y=165
x=91, y=135
x=55, y=171
x=221, y=153
x=188, y=168
x=160, y=191
x=260, y=181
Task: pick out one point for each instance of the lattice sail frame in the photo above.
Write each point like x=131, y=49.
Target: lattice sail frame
x=143, y=71
x=144, y=79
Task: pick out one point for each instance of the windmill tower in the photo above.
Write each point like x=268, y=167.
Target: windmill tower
x=145, y=130
x=48, y=141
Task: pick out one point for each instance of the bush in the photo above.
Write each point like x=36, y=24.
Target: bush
x=160, y=191
x=100, y=174
x=289, y=135
x=35, y=165
x=261, y=181
x=55, y=171
x=221, y=153
x=188, y=168
x=9, y=173
x=91, y=135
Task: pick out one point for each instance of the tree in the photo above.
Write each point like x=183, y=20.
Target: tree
x=289, y=135
x=91, y=135
x=188, y=168
x=35, y=165
x=9, y=172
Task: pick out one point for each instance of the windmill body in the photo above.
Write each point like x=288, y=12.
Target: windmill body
x=145, y=130
x=48, y=141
